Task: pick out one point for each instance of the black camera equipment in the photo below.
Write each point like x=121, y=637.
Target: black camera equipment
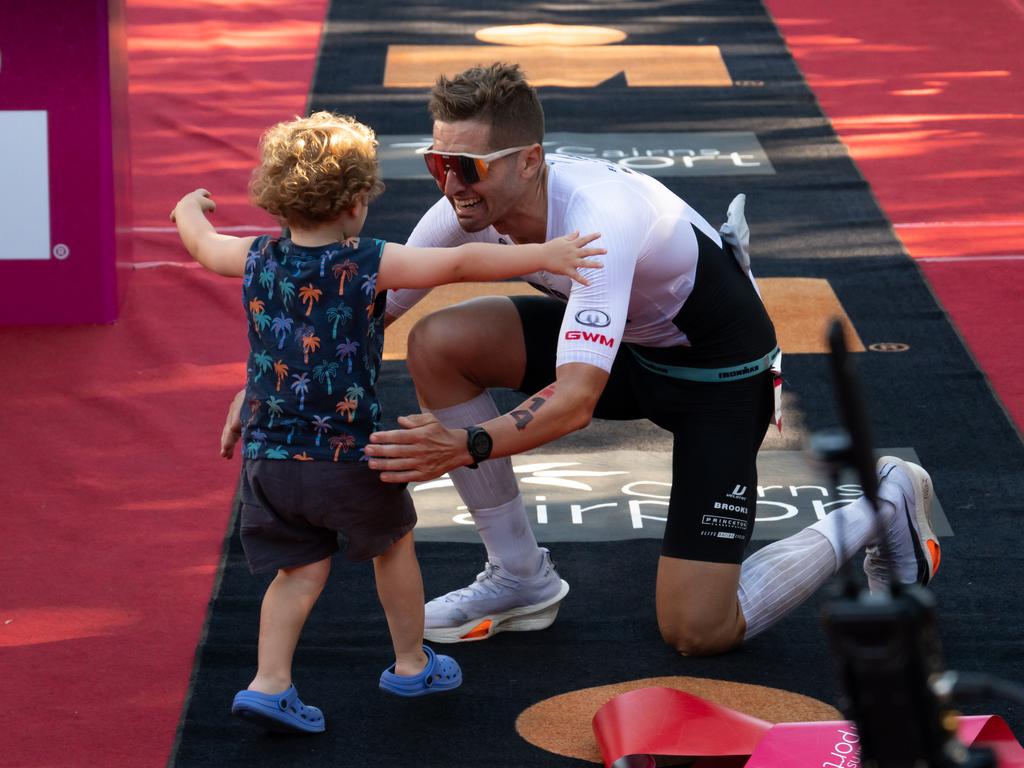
x=885, y=645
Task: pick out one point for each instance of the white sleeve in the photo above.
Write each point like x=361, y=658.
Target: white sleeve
x=595, y=317
x=437, y=228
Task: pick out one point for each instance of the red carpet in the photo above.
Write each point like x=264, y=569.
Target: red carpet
x=930, y=102
x=117, y=502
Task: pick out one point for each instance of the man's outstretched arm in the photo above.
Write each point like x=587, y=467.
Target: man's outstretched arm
x=425, y=448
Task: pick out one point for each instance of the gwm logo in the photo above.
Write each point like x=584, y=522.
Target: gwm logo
x=597, y=338
x=592, y=317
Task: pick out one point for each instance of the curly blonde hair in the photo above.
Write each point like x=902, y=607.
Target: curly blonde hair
x=314, y=168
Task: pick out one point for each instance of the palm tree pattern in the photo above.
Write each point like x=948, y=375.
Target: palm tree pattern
x=312, y=363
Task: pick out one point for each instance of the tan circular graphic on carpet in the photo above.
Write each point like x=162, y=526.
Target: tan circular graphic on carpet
x=562, y=724
x=550, y=34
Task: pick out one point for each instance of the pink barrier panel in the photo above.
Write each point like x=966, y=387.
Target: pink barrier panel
x=65, y=223
x=635, y=726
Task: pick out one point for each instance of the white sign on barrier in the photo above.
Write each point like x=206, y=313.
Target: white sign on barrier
x=25, y=193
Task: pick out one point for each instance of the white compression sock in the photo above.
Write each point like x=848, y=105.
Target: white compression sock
x=492, y=495
x=851, y=527
x=508, y=537
x=492, y=483
x=777, y=578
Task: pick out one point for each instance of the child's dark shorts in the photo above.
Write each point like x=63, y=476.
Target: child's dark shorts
x=299, y=512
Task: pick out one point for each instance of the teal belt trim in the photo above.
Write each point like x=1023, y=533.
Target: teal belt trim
x=732, y=373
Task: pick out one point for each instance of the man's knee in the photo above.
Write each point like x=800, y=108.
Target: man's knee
x=455, y=346
x=429, y=339
x=454, y=336
x=698, y=611
x=695, y=638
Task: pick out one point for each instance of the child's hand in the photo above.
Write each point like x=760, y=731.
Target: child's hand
x=566, y=255
x=200, y=197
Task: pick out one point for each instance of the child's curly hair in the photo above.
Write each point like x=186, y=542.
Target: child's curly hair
x=313, y=168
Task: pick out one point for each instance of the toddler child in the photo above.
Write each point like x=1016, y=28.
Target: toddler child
x=315, y=306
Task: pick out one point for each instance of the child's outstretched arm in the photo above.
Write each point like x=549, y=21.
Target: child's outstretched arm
x=404, y=266
x=219, y=253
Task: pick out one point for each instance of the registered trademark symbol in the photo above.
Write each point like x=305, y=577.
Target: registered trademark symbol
x=889, y=346
x=61, y=251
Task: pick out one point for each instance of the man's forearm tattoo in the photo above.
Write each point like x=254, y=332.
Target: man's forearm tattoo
x=524, y=414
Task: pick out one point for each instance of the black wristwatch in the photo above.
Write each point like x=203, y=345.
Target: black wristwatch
x=479, y=443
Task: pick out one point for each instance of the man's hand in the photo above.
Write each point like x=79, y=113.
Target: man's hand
x=422, y=450
x=232, y=426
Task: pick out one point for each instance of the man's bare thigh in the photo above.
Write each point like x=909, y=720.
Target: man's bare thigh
x=456, y=352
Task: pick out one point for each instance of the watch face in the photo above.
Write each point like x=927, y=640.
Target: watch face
x=481, y=444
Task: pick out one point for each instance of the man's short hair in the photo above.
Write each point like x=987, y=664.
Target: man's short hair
x=497, y=95
x=314, y=168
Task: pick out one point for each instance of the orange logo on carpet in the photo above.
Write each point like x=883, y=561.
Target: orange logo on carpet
x=562, y=55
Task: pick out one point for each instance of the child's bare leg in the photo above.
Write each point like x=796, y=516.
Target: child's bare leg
x=286, y=606
x=400, y=588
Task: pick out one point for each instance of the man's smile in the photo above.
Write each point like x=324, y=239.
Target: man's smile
x=465, y=203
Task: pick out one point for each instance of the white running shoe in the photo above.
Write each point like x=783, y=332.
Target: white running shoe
x=921, y=554
x=496, y=602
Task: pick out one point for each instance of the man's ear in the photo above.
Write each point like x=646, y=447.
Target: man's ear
x=532, y=160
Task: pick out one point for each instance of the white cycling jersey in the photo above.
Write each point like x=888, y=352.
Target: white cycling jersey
x=648, y=271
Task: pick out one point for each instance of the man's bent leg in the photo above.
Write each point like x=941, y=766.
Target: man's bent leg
x=697, y=606
x=779, y=577
x=457, y=352
x=492, y=495
x=696, y=611
x=452, y=361
x=706, y=608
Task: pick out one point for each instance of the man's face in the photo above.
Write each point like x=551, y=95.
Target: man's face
x=478, y=206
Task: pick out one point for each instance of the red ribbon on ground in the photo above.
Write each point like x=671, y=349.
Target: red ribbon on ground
x=637, y=725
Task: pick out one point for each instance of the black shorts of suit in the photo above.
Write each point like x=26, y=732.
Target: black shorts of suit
x=717, y=429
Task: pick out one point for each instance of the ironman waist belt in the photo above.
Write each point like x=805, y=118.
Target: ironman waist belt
x=730, y=373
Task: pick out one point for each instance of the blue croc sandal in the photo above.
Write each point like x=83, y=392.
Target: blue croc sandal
x=442, y=673
x=279, y=712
